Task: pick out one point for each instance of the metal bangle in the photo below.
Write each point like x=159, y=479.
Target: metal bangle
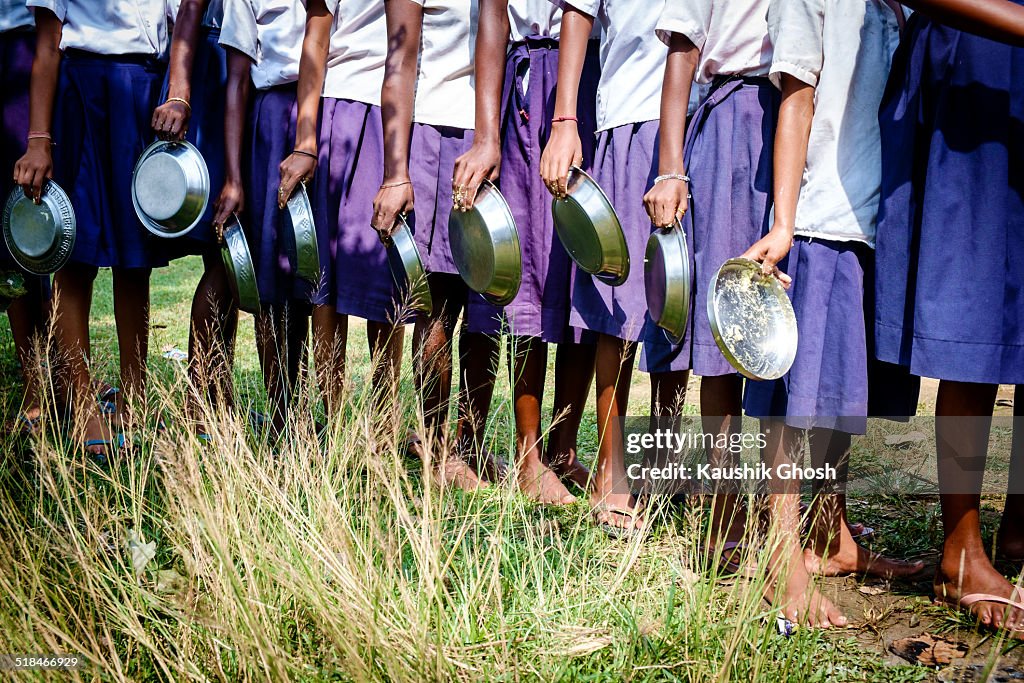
x=672, y=176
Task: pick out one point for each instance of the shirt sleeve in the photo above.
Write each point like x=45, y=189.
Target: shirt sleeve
x=590, y=7
x=332, y=6
x=690, y=18
x=239, y=28
x=797, y=30
x=58, y=7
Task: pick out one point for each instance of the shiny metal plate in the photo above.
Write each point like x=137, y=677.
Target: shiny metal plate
x=170, y=188
x=485, y=246
x=40, y=236
x=589, y=229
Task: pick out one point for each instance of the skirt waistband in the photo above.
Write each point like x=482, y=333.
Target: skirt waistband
x=84, y=55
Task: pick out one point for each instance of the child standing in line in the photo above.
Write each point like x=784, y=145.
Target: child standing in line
x=831, y=60
x=625, y=165
x=427, y=105
x=95, y=96
x=514, y=106
x=264, y=38
x=193, y=110
x=344, y=49
x=28, y=313
x=723, y=44
x=950, y=285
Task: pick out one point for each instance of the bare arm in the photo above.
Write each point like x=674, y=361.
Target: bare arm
x=300, y=165
x=564, y=149
x=236, y=107
x=171, y=118
x=996, y=19
x=483, y=160
x=405, y=22
x=790, y=157
x=667, y=200
x=36, y=166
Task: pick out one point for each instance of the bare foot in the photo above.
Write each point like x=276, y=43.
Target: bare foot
x=791, y=590
x=977, y=576
x=571, y=471
x=489, y=466
x=456, y=472
x=539, y=483
x=829, y=556
x=99, y=440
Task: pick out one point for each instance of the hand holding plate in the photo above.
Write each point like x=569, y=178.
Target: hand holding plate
x=170, y=119
x=34, y=168
x=394, y=197
x=298, y=167
x=564, y=149
x=230, y=202
x=771, y=249
x=667, y=201
x=481, y=162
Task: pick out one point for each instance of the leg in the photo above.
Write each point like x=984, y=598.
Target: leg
x=28, y=316
x=529, y=359
x=270, y=342
x=721, y=409
x=479, y=355
x=574, y=373
x=131, y=313
x=1011, y=528
x=668, y=394
x=330, y=340
x=832, y=550
x=212, y=340
x=789, y=586
x=611, y=492
x=432, y=364
x=73, y=303
x=385, y=341
x=963, y=417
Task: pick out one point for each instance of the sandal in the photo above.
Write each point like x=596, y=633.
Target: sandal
x=729, y=560
x=29, y=427
x=102, y=458
x=966, y=602
x=613, y=531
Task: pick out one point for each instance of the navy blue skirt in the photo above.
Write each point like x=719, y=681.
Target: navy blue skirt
x=950, y=245
x=101, y=126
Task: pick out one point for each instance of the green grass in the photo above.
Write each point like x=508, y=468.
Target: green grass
x=295, y=561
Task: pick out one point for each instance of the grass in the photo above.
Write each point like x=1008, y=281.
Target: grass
x=295, y=561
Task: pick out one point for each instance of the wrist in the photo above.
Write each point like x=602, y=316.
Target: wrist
x=39, y=143
x=783, y=229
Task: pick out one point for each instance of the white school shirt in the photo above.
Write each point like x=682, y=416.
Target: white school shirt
x=632, y=60
x=445, y=82
x=534, y=18
x=359, y=48
x=844, y=48
x=270, y=33
x=14, y=14
x=731, y=35
x=113, y=27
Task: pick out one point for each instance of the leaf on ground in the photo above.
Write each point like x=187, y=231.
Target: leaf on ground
x=877, y=589
x=905, y=440
x=170, y=582
x=1004, y=402
x=140, y=551
x=928, y=650
x=176, y=354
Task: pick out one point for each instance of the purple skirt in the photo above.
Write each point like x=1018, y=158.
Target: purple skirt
x=272, y=136
x=17, y=49
x=950, y=241
x=357, y=280
x=206, y=131
x=828, y=384
x=541, y=308
x=625, y=165
x=729, y=210
x=102, y=122
x=432, y=154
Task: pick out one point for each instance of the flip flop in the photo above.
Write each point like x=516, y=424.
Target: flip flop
x=102, y=459
x=966, y=602
x=29, y=426
x=732, y=567
x=613, y=531
x=107, y=399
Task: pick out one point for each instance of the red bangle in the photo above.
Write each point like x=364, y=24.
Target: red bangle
x=33, y=134
x=559, y=119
